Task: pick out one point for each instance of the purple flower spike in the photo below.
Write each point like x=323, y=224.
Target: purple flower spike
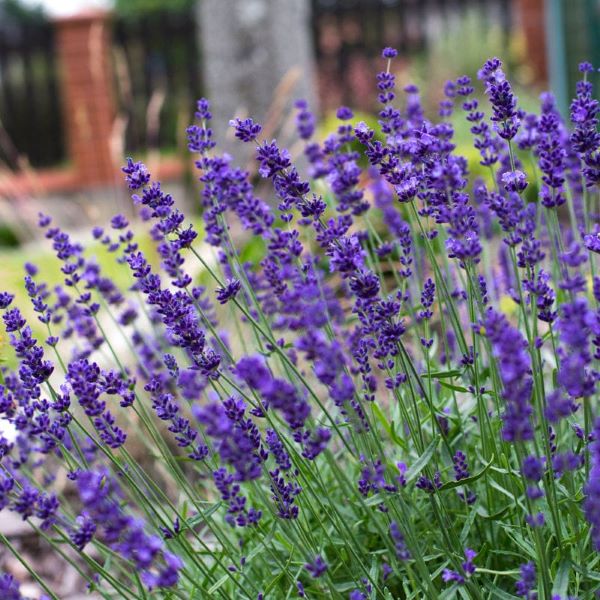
x=245, y=129
x=510, y=351
x=317, y=567
x=591, y=504
x=468, y=568
x=526, y=584
x=228, y=291
x=305, y=120
x=5, y=299
x=461, y=470
x=10, y=588
x=344, y=113
x=402, y=552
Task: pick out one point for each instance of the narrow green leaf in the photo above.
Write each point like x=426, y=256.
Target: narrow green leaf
x=453, y=484
x=501, y=594
x=561, y=581
x=464, y=534
x=449, y=593
x=389, y=427
x=374, y=500
x=442, y=374
x=422, y=461
x=593, y=575
x=197, y=519
x=217, y=585
x=494, y=516
x=450, y=386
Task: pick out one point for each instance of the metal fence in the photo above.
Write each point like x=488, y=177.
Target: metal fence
x=350, y=34
x=158, y=78
x=30, y=111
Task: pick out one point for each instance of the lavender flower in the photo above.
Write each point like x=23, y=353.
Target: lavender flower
x=294, y=430
x=245, y=129
x=316, y=567
x=525, y=585
x=10, y=588
x=125, y=534
x=229, y=291
x=461, y=470
x=514, y=365
x=501, y=98
x=305, y=120
x=402, y=552
x=591, y=505
x=468, y=569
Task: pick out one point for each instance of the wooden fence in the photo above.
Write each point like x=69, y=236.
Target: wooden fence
x=157, y=67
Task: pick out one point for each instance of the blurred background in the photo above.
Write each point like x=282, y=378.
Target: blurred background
x=84, y=83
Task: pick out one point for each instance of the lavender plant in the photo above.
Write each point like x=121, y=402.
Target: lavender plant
x=396, y=399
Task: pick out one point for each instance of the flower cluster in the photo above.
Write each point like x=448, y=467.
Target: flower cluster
x=377, y=382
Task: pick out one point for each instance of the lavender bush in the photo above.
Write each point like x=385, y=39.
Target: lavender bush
x=396, y=399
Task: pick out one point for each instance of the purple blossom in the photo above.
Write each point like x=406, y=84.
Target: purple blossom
x=591, y=504
x=316, y=567
x=237, y=439
x=277, y=393
x=468, y=567
x=526, y=584
x=514, y=181
x=502, y=99
x=402, y=552
x=575, y=325
x=125, y=534
x=82, y=534
x=461, y=470
x=427, y=299
x=552, y=154
x=585, y=138
x=246, y=130
x=10, y=588
x=228, y=291
x=5, y=299
x=425, y=484
x=533, y=468
x=305, y=120
x=514, y=364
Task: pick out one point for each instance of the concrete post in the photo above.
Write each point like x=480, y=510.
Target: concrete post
x=257, y=59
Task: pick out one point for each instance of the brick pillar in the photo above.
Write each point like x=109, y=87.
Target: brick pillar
x=530, y=14
x=83, y=47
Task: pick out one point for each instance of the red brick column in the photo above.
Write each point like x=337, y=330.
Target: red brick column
x=531, y=16
x=83, y=47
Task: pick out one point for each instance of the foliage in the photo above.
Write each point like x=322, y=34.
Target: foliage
x=8, y=238
x=137, y=8
x=14, y=11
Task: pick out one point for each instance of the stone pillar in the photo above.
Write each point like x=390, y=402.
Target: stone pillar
x=257, y=59
x=83, y=47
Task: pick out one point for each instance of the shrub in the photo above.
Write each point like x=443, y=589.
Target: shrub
x=394, y=397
